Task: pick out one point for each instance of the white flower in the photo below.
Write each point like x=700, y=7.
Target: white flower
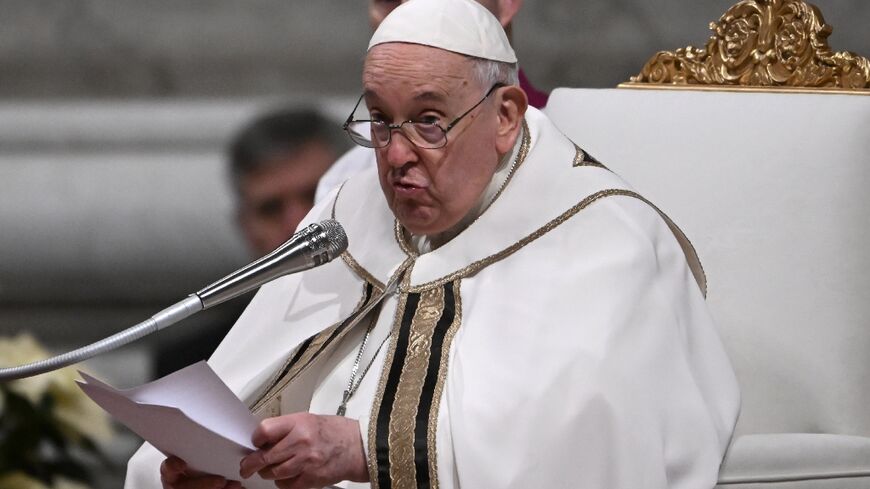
x=20, y=480
x=24, y=349
x=62, y=483
x=77, y=412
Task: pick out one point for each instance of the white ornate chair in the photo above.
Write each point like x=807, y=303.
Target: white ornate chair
x=758, y=145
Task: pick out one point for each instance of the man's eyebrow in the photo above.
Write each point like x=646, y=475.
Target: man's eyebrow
x=430, y=95
x=427, y=95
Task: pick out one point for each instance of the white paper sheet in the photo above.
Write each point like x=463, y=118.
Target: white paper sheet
x=191, y=414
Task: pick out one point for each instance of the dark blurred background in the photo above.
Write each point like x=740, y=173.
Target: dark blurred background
x=223, y=48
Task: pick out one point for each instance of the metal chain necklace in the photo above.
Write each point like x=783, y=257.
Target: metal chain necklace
x=353, y=383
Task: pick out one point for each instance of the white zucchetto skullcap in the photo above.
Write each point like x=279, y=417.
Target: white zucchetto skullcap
x=460, y=26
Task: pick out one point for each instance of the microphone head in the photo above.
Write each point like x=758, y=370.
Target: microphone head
x=311, y=247
x=336, y=238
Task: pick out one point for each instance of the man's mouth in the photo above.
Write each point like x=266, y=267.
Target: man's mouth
x=405, y=185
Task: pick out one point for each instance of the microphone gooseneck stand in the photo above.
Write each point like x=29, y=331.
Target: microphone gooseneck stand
x=309, y=248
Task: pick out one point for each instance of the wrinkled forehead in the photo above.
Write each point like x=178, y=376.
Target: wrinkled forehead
x=410, y=65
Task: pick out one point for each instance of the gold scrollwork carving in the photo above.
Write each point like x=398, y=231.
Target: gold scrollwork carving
x=762, y=43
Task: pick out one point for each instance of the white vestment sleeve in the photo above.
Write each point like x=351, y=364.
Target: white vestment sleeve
x=143, y=469
x=616, y=381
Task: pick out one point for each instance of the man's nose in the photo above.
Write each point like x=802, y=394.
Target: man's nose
x=400, y=150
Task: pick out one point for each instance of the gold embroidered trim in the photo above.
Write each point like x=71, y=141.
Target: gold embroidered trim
x=583, y=159
x=403, y=417
x=692, y=258
x=361, y=272
x=485, y=262
x=382, y=384
x=377, y=295
x=280, y=382
x=337, y=194
x=432, y=431
x=277, y=382
x=399, y=233
x=580, y=159
x=501, y=255
x=523, y=152
x=425, y=344
x=349, y=260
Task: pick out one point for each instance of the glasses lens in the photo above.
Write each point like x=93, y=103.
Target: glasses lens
x=380, y=132
x=360, y=133
x=428, y=135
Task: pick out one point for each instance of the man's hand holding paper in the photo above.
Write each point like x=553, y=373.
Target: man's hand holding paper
x=305, y=450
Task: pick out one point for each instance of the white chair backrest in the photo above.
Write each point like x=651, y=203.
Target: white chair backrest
x=772, y=189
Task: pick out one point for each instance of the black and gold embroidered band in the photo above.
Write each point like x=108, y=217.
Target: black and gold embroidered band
x=402, y=452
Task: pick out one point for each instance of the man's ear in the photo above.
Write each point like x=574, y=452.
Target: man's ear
x=512, y=105
x=507, y=9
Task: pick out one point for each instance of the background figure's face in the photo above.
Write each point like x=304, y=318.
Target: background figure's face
x=430, y=190
x=378, y=9
x=275, y=198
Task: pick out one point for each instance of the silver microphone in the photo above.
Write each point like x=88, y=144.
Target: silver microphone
x=308, y=248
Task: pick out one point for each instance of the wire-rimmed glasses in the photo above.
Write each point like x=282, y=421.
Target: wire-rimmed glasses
x=427, y=135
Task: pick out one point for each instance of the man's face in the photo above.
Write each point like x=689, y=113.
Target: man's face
x=275, y=198
x=430, y=190
x=378, y=9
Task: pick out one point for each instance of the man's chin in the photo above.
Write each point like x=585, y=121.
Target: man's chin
x=419, y=222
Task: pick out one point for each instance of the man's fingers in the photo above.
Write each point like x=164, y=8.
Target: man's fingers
x=285, y=470
x=263, y=459
x=204, y=482
x=271, y=430
x=173, y=475
x=311, y=450
x=301, y=482
x=209, y=482
x=172, y=469
x=294, y=483
x=252, y=463
x=275, y=452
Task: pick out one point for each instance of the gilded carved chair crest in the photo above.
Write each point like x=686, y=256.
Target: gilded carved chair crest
x=762, y=43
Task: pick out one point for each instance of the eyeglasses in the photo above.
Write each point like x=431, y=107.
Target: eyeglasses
x=426, y=135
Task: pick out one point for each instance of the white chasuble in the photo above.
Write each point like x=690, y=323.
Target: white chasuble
x=560, y=340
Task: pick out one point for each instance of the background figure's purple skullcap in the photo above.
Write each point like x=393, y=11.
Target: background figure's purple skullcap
x=460, y=26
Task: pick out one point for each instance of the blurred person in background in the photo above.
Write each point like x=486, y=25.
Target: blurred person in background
x=360, y=159
x=275, y=162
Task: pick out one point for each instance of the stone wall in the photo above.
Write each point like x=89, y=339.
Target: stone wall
x=218, y=48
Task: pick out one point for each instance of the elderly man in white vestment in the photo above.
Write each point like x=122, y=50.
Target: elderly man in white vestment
x=527, y=320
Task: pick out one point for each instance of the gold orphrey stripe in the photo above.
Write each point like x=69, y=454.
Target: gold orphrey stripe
x=402, y=452
x=307, y=353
